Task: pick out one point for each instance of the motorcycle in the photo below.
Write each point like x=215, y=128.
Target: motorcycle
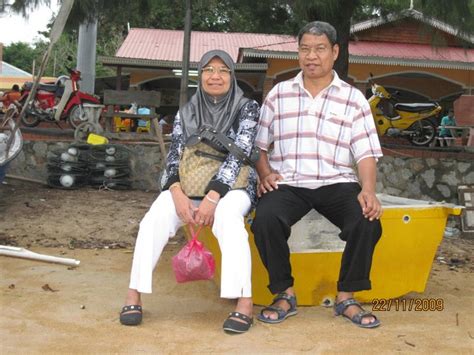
x=410, y=120
x=59, y=101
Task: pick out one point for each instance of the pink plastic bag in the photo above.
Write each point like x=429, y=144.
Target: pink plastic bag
x=194, y=261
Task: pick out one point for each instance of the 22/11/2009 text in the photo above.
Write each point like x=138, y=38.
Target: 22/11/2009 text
x=412, y=304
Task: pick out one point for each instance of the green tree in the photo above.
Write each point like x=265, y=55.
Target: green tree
x=340, y=13
x=20, y=54
x=62, y=55
x=264, y=16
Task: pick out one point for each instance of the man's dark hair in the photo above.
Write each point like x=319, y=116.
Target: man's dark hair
x=319, y=28
x=15, y=87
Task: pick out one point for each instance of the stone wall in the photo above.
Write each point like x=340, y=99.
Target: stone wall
x=433, y=179
x=426, y=179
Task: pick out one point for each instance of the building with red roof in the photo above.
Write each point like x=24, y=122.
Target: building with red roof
x=397, y=50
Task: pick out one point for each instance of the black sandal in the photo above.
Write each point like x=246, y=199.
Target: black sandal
x=132, y=318
x=340, y=308
x=281, y=313
x=233, y=326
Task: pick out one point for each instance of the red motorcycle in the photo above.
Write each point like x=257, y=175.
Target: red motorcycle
x=59, y=101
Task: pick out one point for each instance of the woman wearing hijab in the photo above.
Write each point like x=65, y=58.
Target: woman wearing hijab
x=219, y=104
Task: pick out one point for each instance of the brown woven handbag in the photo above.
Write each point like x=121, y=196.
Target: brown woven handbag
x=199, y=164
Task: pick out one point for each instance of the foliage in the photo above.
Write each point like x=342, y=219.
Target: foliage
x=23, y=56
x=19, y=54
x=369, y=9
x=24, y=7
x=263, y=16
x=458, y=13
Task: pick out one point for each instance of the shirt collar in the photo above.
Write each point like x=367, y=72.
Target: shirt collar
x=298, y=81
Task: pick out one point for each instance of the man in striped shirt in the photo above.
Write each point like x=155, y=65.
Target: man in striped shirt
x=320, y=130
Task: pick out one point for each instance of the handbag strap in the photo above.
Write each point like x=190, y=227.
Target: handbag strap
x=227, y=143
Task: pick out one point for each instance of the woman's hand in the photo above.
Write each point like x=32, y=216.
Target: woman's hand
x=205, y=213
x=183, y=205
x=269, y=183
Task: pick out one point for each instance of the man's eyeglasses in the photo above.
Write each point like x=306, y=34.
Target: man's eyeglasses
x=305, y=50
x=220, y=71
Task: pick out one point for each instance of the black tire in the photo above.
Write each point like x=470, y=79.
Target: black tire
x=29, y=120
x=424, y=131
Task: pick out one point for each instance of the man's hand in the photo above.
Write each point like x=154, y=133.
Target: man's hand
x=270, y=178
x=268, y=183
x=183, y=205
x=371, y=206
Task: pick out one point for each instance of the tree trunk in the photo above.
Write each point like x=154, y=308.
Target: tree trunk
x=341, y=20
x=183, y=95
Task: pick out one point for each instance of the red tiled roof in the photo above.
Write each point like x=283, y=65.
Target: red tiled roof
x=167, y=45
x=410, y=51
x=160, y=44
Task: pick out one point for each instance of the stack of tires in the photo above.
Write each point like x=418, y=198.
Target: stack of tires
x=67, y=168
x=109, y=166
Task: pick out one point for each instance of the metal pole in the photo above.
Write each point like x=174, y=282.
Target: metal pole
x=183, y=95
x=86, y=53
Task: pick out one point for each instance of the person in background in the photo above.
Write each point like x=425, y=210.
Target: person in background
x=166, y=123
x=10, y=97
x=447, y=120
x=321, y=129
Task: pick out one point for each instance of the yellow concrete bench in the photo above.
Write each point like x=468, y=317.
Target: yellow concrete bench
x=412, y=232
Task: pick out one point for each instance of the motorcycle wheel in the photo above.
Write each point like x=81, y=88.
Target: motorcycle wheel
x=76, y=116
x=82, y=131
x=424, y=132
x=29, y=120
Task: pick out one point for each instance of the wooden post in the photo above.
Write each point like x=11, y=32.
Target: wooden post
x=159, y=134
x=118, y=82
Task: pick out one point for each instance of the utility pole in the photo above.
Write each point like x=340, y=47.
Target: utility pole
x=86, y=54
x=183, y=95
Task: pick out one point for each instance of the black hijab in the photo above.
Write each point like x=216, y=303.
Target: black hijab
x=202, y=110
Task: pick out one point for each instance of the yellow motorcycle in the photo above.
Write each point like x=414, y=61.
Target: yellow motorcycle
x=409, y=120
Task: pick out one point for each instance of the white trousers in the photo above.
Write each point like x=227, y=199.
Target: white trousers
x=161, y=223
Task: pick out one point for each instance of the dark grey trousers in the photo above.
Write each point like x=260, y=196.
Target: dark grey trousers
x=278, y=210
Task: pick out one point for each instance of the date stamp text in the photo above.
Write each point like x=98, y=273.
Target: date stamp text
x=411, y=304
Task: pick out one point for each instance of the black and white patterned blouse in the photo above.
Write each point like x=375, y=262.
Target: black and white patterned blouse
x=223, y=181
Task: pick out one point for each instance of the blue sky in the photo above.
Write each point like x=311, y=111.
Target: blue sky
x=16, y=28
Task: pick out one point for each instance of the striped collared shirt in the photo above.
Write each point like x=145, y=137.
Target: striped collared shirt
x=317, y=140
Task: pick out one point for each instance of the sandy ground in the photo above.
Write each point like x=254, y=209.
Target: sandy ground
x=51, y=308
